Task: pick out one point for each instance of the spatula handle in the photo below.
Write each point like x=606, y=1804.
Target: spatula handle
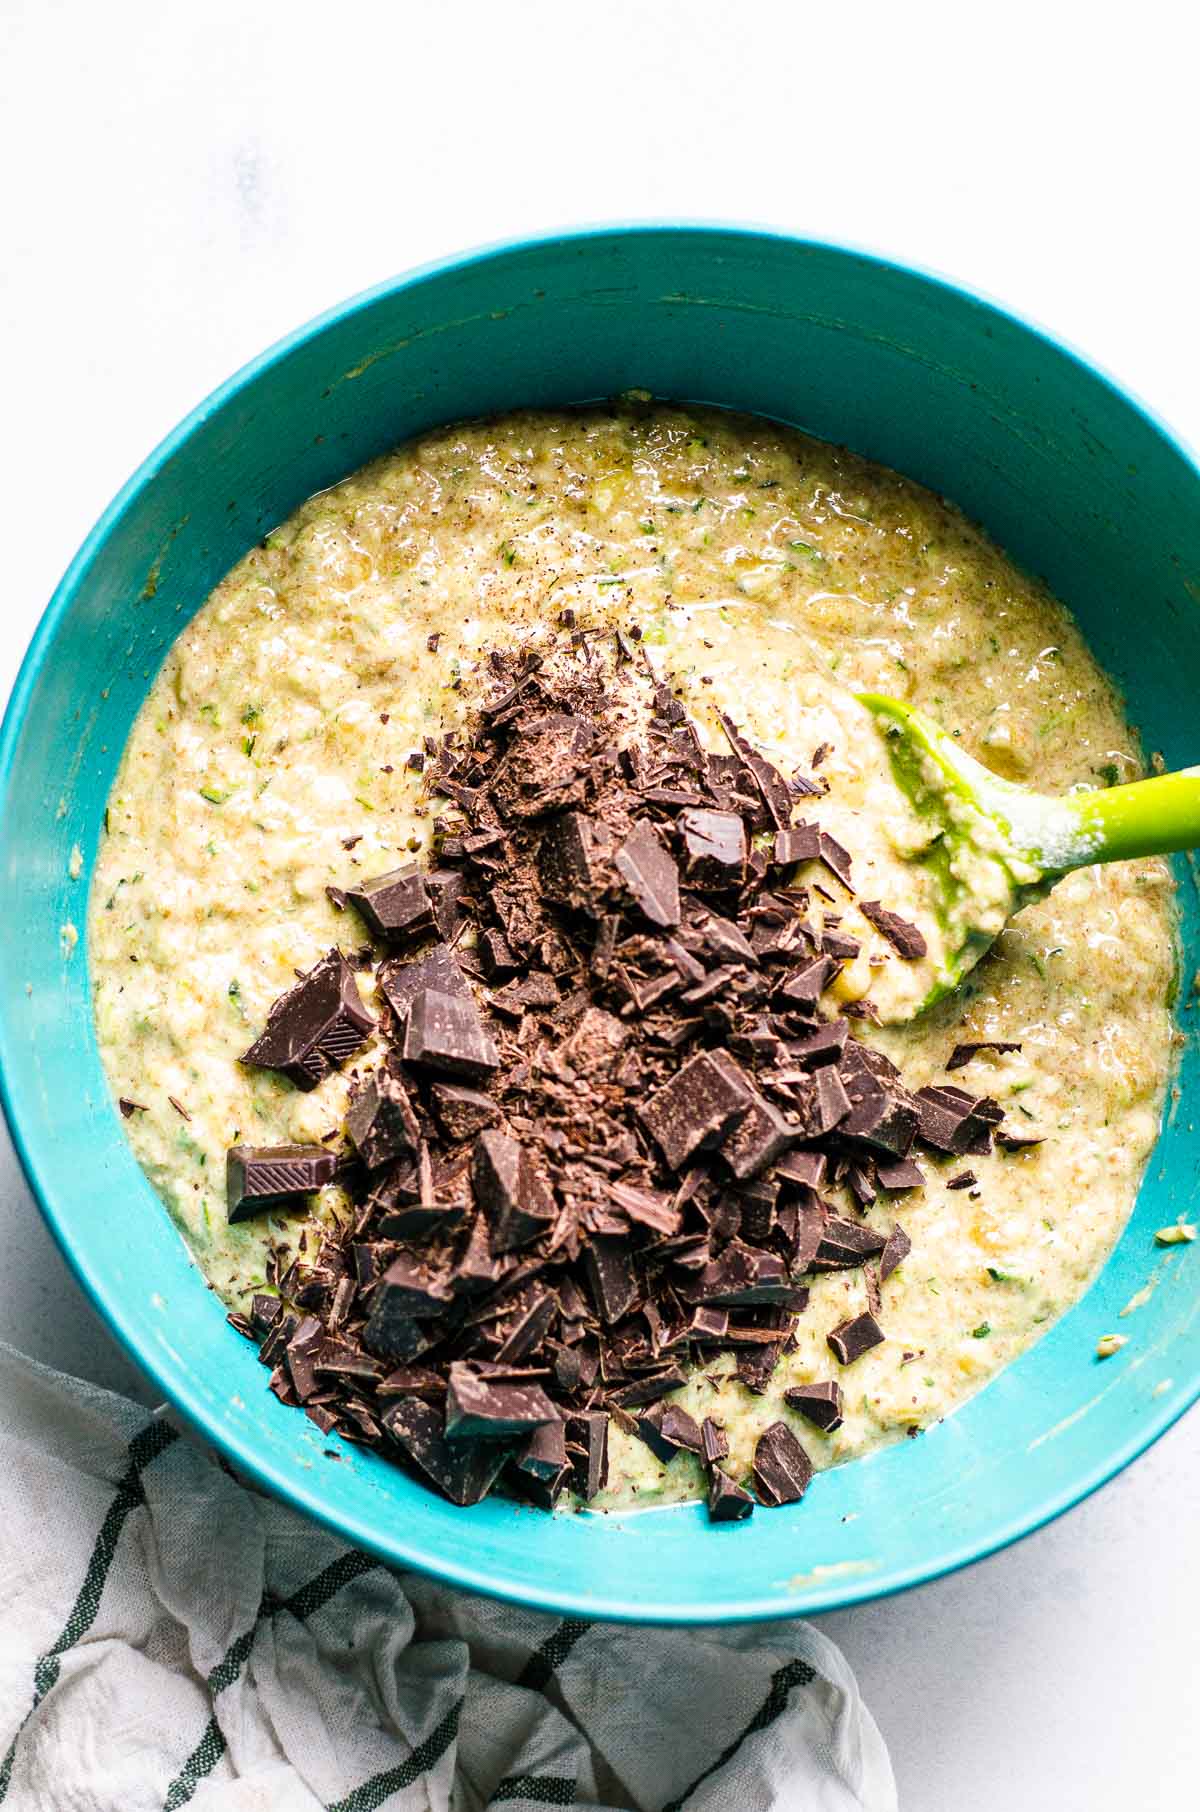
x=1146, y=818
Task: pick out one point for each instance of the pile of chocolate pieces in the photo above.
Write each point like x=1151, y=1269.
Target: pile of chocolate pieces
x=593, y=1156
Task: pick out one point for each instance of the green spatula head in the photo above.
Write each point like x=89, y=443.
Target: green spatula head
x=994, y=846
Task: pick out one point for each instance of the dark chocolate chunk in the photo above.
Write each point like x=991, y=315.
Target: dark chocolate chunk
x=464, y=1471
x=823, y=1045
x=806, y=1168
x=899, y=1173
x=647, y=1209
x=836, y=859
x=395, y=905
x=438, y=968
x=667, y=1429
x=411, y=1289
x=854, y=1337
x=756, y=1139
x=727, y=1502
x=845, y=1244
x=508, y=1188
x=944, y=1118
x=314, y=1026
x=820, y=1404
x=481, y=1408
x=462, y=1112
x=714, y=1442
x=782, y=1469
x=963, y=1053
x=800, y=843
x=1011, y=1138
x=714, y=846
x=444, y=1032
x=500, y=961
x=882, y=1116
x=587, y=1446
x=743, y=1275
x=129, y=1107
x=381, y=1121
x=696, y=1108
x=612, y=1276
x=966, y=1179
x=575, y=862
x=541, y=1468
x=650, y=874
x=803, y=988
x=527, y=1332
x=260, y=1177
x=905, y=938
x=895, y=1252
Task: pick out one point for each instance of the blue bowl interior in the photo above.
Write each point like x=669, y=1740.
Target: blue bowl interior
x=1071, y=476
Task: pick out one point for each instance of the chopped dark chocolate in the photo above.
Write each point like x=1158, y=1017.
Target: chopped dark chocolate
x=445, y=1032
x=650, y=874
x=895, y=1252
x=314, y=1026
x=437, y=968
x=714, y=1442
x=464, y=1471
x=966, y=1179
x=898, y=1173
x=396, y=905
x=845, y=1244
x=905, y=938
x=692, y=1112
x=667, y=1429
x=714, y=848
x=587, y=1446
x=518, y=1204
x=381, y=1121
x=727, y=1502
x=854, y=1337
x=482, y=1408
x=782, y=1469
x=963, y=1053
x=587, y=1157
x=820, y=1404
x=462, y=1112
x=261, y=1177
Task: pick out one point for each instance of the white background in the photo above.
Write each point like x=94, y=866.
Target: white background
x=181, y=184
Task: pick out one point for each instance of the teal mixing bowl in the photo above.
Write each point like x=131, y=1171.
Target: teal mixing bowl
x=1065, y=470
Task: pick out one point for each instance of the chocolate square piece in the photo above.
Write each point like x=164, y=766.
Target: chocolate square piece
x=259, y=1177
x=314, y=1026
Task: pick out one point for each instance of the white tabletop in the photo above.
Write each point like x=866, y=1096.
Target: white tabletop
x=183, y=184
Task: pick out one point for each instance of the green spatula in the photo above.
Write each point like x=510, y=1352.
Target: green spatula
x=994, y=846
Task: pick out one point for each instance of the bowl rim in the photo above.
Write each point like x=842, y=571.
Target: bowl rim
x=779, y=1603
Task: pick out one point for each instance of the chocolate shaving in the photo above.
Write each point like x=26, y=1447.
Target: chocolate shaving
x=962, y=1054
x=905, y=938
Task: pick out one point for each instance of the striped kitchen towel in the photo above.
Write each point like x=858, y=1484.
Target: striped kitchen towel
x=169, y=1637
